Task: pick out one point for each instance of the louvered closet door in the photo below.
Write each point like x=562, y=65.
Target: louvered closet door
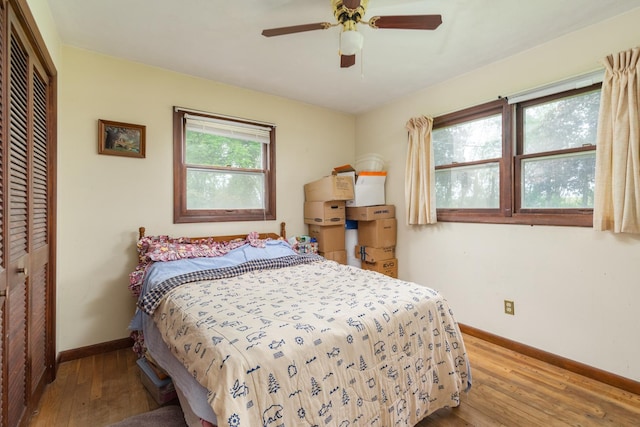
x=27, y=218
x=38, y=228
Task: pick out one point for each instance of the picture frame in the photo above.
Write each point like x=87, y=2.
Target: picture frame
x=121, y=139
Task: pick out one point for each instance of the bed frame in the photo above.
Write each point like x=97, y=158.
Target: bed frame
x=283, y=235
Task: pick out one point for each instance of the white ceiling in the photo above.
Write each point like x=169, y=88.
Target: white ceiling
x=221, y=40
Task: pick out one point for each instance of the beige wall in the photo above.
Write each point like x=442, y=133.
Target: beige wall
x=102, y=199
x=575, y=290
x=47, y=27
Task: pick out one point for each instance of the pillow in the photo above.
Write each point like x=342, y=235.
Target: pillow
x=168, y=251
x=165, y=248
x=272, y=249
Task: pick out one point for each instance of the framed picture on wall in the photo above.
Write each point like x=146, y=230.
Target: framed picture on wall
x=121, y=139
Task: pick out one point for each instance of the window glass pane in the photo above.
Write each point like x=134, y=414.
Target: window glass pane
x=208, y=189
x=559, y=182
x=202, y=148
x=469, y=141
x=468, y=187
x=564, y=123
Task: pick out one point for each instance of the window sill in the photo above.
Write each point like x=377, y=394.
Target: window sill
x=566, y=219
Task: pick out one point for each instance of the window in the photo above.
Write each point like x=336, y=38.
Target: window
x=468, y=155
x=556, y=152
x=531, y=162
x=224, y=168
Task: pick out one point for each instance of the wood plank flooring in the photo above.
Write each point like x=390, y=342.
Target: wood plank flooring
x=509, y=389
x=94, y=391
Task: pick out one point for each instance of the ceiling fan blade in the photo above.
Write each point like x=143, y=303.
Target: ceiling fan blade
x=347, y=61
x=407, y=22
x=295, y=29
x=351, y=4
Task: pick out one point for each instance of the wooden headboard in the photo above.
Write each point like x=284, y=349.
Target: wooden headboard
x=283, y=234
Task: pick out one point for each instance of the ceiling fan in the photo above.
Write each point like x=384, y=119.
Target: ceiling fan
x=349, y=13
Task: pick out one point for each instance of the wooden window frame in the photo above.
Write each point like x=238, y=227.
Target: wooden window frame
x=499, y=106
x=510, y=168
x=183, y=215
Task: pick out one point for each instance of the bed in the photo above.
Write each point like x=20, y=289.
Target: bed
x=254, y=334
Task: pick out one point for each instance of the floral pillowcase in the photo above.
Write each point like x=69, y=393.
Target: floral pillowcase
x=164, y=248
x=168, y=251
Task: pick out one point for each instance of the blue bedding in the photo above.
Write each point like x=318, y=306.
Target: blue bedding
x=159, y=272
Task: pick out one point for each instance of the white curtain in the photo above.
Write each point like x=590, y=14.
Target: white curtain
x=617, y=190
x=419, y=181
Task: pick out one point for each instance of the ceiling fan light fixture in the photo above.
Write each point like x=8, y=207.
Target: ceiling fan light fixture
x=351, y=41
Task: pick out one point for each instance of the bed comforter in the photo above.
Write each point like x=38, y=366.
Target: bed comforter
x=303, y=341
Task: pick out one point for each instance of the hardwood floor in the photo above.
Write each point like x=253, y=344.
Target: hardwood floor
x=94, y=391
x=509, y=389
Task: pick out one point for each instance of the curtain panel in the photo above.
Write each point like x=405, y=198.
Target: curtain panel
x=617, y=187
x=419, y=182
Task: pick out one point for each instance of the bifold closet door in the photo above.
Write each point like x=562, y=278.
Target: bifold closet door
x=27, y=225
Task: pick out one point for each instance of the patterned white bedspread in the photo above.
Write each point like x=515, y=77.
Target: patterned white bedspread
x=317, y=344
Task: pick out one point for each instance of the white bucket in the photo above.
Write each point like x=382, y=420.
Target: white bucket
x=369, y=162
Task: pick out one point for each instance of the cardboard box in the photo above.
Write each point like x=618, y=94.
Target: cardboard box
x=368, y=188
x=324, y=213
x=337, y=256
x=380, y=233
x=371, y=254
x=160, y=373
x=162, y=391
x=388, y=267
x=333, y=187
x=370, y=213
x=330, y=237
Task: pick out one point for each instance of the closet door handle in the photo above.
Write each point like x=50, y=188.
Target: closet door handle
x=3, y=293
x=23, y=270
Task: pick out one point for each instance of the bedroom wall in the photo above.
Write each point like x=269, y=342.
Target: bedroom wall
x=102, y=200
x=575, y=290
x=47, y=27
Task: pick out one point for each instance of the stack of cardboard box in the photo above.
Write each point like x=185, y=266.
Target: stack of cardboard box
x=324, y=212
x=377, y=229
x=346, y=195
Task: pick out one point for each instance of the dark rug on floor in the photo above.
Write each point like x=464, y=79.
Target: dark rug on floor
x=166, y=416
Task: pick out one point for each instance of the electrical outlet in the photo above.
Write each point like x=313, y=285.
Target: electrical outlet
x=509, y=307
